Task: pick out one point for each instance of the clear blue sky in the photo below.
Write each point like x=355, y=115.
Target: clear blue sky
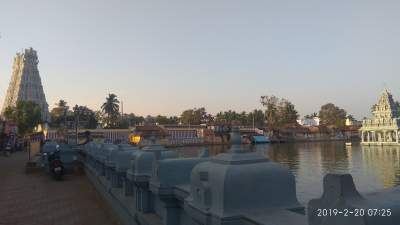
x=167, y=56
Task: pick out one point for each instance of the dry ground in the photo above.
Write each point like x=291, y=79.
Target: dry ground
x=36, y=199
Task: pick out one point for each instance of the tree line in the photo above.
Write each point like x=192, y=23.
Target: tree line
x=275, y=113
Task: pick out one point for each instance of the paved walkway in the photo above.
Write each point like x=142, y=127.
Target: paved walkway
x=36, y=199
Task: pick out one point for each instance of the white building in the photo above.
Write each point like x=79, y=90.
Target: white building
x=309, y=121
x=350, y=121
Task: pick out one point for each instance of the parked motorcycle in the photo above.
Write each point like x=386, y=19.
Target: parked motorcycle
x=55, y=164
x=7, y=150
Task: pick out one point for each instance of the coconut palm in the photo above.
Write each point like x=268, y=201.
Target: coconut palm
x=111, y=109
x=59, y=114
x=61, y=103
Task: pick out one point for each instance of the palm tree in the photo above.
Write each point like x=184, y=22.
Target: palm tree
x=311, y=116
x=111, y=109
x=59, y=113
x=61, y=103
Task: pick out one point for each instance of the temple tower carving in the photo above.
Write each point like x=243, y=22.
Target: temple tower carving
x=25, y=84
x=384, y=127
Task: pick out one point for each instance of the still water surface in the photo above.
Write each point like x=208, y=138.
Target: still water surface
x=373, y=168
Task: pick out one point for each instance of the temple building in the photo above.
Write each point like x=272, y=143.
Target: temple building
x=25, y=84
x=383, y=128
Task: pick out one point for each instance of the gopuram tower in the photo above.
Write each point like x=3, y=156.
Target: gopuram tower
x=25, y=84
x=384, y=127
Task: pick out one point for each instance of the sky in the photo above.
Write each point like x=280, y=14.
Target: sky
x=162, y=57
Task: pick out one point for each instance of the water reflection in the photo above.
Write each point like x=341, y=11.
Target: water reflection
x=384, y=161
x=285, y=153
x=373, y=168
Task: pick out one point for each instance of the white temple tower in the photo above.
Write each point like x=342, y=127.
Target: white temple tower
x=25, y=84
x=384, y=127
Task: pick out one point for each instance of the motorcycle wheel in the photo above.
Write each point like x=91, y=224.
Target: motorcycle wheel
x=58, y=175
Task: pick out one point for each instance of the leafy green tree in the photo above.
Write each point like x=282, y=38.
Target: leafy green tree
x=59, y=114
x=87, y=117
x=195, y=116
x=123, y=124
x=278, y=112
x=62, y=103
x=64, y=118
x=271, y=110
x=133, y=119
x=188, y=117
x=287, y=113
x=231, y=116
x=243, y=118
x=331, y=115
x=26, y=114
x=128, y=120
x=99, y=117
x=10, y=113
x=166, y=120
x=150, y=120
x=257, y=116
x=110, y=108
x=312, y=115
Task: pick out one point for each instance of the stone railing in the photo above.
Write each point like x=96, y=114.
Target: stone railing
x=380, y=122
x=152, y=186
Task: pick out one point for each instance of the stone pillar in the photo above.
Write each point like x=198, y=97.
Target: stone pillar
x=116, y=180
x=339, y=192
x=108, y=173
x=171, y=214
x=368, y=137
x=102, y=169
x=390, y=136
x=128, y=187
x=397, y=136
x=362, y=136
x=143, y=200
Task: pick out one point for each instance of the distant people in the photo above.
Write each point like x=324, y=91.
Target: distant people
x=2, y=141
x=26, y=144
x=19, y=144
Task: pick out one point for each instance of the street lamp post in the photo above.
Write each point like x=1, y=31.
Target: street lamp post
x=65, y=124
x=76, y=114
